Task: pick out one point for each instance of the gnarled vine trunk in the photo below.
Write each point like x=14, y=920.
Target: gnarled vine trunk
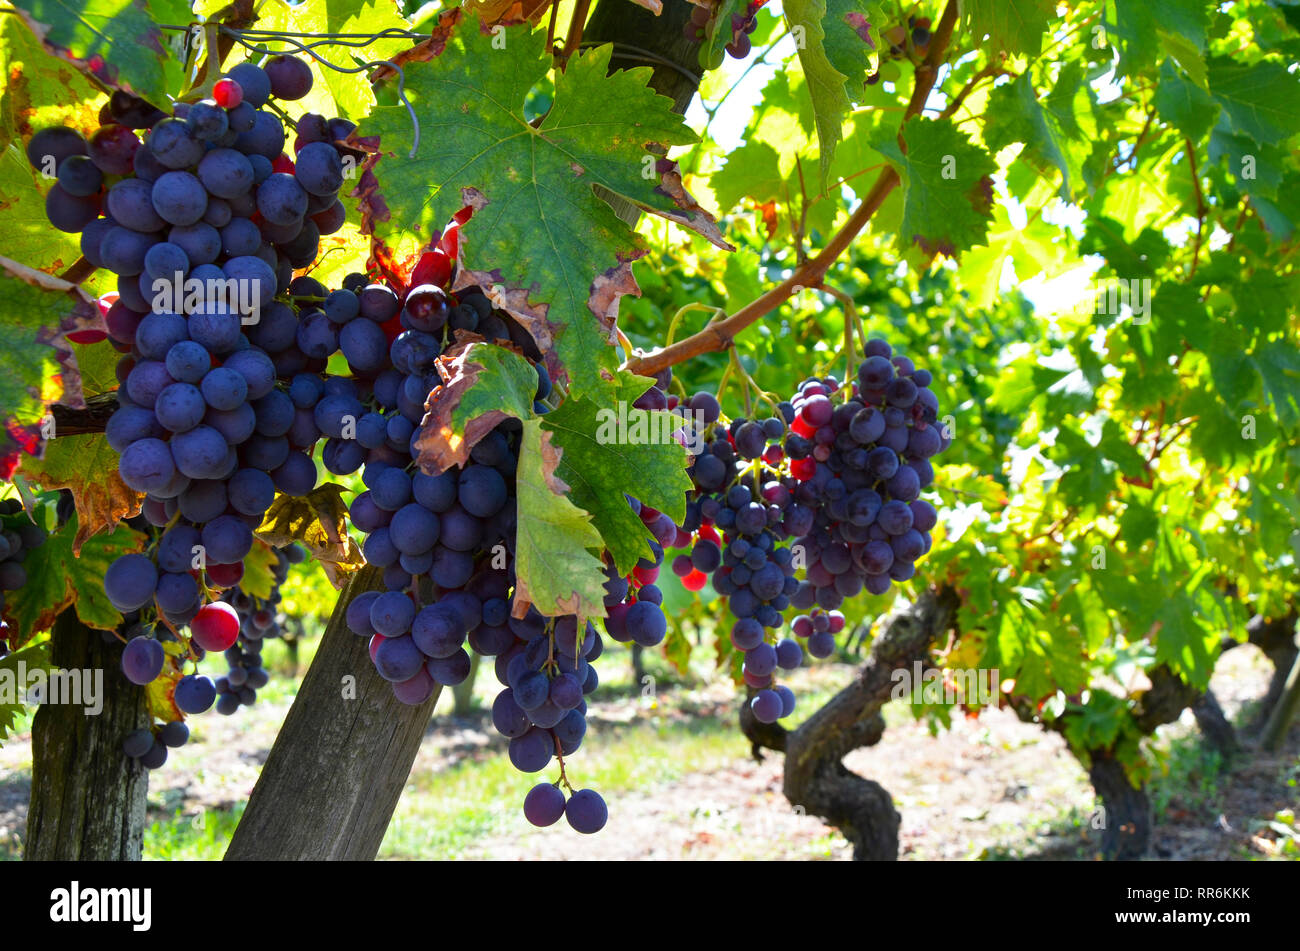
x=1126, y=831
x=816, y=778
x=88, y=797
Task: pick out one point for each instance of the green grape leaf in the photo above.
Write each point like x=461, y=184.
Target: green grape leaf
x=1126, y=257
x=32, y=658
x=1180, y=26
x=1021, y=383
x=58, y=575
x=121, y=45
x=319, y=522
x=37, y=367
x=1261, y=101
x=826, y=84
x=1183, y=104
x=87, y=466
x=1279, y=367
x=1185, y=641
x=96, y=367
x=1013, y=26
x=483, y=384
x=612, y=450
x=1281, y=212
x=752, y=171
x=1016, y=115
x=554, y=539
x=945, y=209
x=549, y=248
x=1257, y=169
x=1095, y=725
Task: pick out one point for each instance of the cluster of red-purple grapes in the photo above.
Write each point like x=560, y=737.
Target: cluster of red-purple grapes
x=839, y=469
x=143, y=660
x=446, y=541
x=863, y=463
x=203, y=220
x=259, y=620
x=738, y=46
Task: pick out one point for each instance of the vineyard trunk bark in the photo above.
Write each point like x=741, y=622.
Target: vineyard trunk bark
x=340, y=761
x=1284, y=711
x=1126, y=834
x=88, y=797
x=1215, y=728
x=816, y=778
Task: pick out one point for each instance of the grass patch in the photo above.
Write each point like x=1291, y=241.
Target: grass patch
x=201, y=835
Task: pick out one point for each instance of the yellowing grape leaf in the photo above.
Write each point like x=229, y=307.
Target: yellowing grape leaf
x=258, y=580
x=159, y=695
x=540, y=229
x=484, y=384
x=319, y=521
x=554, y=565
x=86, y=465
x=36, y=364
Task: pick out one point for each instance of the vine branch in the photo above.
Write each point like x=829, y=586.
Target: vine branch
x=721, y=334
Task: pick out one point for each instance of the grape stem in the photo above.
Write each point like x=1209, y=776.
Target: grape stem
x=750, y=384
x=721, y=335
x=850, y=320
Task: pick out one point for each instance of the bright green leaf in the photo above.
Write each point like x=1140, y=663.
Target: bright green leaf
x=554, y=540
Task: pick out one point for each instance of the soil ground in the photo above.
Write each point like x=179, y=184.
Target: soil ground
x=681, y=785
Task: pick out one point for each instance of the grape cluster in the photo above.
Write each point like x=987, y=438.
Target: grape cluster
x=446, y=540
x=837, y=469
x=203, y=221
x=741, y=516
x=150, y=746
x=259, y=619
x=861, y=465
x=18, y=535
x=144, y=657
x=906, y=42
x=742, y=25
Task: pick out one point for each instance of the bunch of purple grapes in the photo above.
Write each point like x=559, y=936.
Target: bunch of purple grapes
x=143, y=659
x=861, y=465
x=742, y=25
x=259, y=620
x=747, y=515
x=446, y=540
x=203, y=222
